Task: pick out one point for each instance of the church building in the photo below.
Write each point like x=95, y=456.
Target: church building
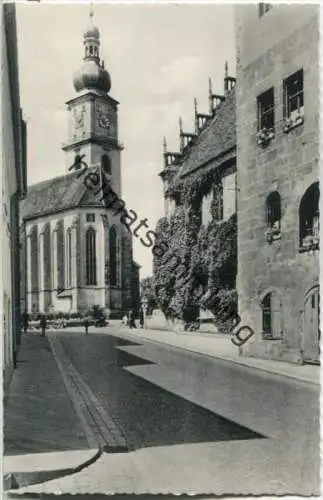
x=78, y=252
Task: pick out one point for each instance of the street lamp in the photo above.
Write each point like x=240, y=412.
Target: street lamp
x=144, y=304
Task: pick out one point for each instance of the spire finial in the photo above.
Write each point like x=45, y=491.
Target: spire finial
x=210, y=97
x=180, y=122
x=164, y=145
x=210, y=88
x=226, y=71
x=91, y=10
x=195, y=106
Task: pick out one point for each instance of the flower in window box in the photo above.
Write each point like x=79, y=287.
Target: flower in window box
x=308, y=242
x=291, y=122
x=269, y=234
x=316, y=242
x=273, y=232
x=265, y=135
x=288, y=123
x=299, y=119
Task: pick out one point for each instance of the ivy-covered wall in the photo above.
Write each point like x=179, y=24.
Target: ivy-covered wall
x=195, y=266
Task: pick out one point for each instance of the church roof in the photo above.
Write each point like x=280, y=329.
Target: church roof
x=59, y=194
x=217, y=137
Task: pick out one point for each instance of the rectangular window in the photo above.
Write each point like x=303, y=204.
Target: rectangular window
x=90, y=217
x=294, y=95
x=266, y=110
x=263, y=8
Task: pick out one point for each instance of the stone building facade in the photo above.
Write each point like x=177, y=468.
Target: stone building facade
x=78, y=249
x=278, y=171
x=200, y=181
x=13, y=167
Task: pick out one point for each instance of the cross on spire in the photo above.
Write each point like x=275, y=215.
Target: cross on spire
x=91, y=10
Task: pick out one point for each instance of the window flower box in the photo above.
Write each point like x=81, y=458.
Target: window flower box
x=264, y=136
x=291, y=123
x=310, y=243
x=272, y=233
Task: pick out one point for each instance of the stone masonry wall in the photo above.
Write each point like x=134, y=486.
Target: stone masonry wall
x=289, y=164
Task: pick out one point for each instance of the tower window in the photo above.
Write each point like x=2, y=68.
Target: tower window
x=309, y=219
x=90, y=240
x=106, y=164
x=294, y=96
x=90, y=217
x=273, y=215
x=266, y=110
x=263, y=8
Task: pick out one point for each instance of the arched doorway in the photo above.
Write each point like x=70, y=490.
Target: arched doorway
x=312, y=326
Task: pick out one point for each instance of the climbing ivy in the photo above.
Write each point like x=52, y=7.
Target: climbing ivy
x=198, y=265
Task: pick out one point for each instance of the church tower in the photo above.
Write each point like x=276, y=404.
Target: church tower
x=93, y=114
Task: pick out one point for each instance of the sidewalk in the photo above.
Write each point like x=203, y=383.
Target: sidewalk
x=220, y=346
x=42, y=433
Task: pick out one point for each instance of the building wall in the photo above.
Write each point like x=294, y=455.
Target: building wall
x=42, y=292
x=270, y=49
x=13, y=180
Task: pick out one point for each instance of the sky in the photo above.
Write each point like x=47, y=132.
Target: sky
x=159, y=58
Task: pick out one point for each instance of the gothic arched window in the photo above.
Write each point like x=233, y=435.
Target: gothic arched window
x=271, y=307
x=106, y=164
x=68, y=258
x=309, y=218
x=217, y=202
x=90, y=245
x=113, y=239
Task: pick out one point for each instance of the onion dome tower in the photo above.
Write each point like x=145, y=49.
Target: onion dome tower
x=92, y=75
x=93, y=114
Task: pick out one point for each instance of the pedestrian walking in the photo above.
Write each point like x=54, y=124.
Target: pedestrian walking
x=125, y=320
x=25, y=321
x=132, y=323
x=86, y=325
x=43, y=324
x=141, y=318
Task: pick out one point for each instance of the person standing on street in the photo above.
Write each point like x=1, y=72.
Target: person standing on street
x=25, y=321
x=86, y=325
x=43, y=324
x=132, y=323
x=141, y=318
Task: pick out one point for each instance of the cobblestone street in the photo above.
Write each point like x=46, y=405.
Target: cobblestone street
x=152, y=409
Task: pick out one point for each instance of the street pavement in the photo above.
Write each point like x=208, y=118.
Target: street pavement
x=165, y=420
